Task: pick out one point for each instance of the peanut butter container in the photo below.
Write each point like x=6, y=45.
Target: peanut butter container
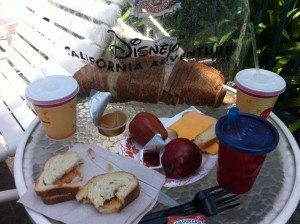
x=112, y=122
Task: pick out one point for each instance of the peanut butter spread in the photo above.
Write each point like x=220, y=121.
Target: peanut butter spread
x=112, y=124
x=67, y=178
x=112, y=120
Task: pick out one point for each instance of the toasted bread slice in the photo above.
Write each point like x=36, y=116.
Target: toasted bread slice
x=60, y=177
x=110, y=192
x=208, y=137
x=58, y=198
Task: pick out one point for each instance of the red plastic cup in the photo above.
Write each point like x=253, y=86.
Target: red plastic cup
x=244, y=142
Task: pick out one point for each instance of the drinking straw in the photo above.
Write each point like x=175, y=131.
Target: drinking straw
x=254, y=48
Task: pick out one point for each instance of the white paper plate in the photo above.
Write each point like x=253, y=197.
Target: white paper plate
x=130, y=148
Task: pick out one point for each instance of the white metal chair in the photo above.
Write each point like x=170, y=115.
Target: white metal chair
x=50, y=37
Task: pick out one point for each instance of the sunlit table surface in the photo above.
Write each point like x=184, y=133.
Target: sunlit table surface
x=272, y=199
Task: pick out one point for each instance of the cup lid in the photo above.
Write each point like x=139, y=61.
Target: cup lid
x=51, y=90
x=266, y=83
x=247, y=133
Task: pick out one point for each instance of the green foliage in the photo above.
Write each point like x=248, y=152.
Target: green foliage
x=203, y=24
x=218, y=22
x=277, y=24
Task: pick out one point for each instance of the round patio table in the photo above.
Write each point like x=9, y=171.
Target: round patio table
x=273, y=198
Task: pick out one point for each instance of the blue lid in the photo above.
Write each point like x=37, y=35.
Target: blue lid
x=246, y=133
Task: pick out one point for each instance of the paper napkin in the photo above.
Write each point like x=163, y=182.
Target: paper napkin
x=97, y=161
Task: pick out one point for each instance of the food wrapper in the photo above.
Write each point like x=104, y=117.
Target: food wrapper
x=165, y=51
x=199, y=219
x=154, y=146
x=97, y=104
x=96, y=161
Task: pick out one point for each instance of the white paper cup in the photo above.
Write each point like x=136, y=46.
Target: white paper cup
x=54, y=100
x=257, y=93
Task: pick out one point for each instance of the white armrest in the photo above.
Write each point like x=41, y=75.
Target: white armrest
x=8, y=20
x=3, y=150
x=9, y=195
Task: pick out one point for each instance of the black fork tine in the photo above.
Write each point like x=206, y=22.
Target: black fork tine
x=214, y=188
x=227, y=200
x=208, y=202
x=208, y=192
x=225, y=208
x=220, y=193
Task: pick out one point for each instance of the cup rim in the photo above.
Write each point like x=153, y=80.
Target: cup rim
x=257, y=91
x=117, y=127
x=55, y=101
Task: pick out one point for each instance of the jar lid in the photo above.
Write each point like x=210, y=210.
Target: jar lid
x=264, y=83
x=52, y=90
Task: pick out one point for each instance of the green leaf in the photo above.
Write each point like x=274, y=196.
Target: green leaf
x=292, y=12
x=262, y=25
x=294, y=126
x=271, y=16
x=285, y=33
x=126, y=15
x=297, y=14
x=292, y=79
x=294, y=102
x=225, y=38
x=213, y=39
x=289, y=50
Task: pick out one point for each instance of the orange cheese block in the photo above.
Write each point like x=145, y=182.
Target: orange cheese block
x=191, y=125
x=211, y=149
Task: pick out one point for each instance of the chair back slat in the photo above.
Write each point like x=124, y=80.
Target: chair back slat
x=9, y=128
x=94, y=10
x=16, y=104
x=49, y=59
x=22, y=64
x=52, y=37
x=84, y=28
x=14, y=78
x=78, y=48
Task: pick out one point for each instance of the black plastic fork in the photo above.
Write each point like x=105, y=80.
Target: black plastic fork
x=208, y=202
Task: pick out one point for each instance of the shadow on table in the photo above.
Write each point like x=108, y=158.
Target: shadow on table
x=10, y=212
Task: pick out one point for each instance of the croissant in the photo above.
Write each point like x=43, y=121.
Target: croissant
x=148, y=80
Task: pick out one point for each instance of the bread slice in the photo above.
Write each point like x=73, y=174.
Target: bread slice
x=60, y=178
x=85, y=79
x=148, y=79
x=58, y=198
x=143, y=82
x=110, y=192
x=208, y=137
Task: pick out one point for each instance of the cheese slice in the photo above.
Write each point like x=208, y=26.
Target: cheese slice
x=211, y=149
x=191, y=125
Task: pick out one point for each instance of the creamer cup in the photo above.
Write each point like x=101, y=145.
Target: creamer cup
x=257, y=92
x=54, y=100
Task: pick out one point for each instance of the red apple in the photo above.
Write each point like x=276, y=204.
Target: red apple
x=144, y=126
x=181, y=158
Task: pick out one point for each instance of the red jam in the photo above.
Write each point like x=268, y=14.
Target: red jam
x=151, y=159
